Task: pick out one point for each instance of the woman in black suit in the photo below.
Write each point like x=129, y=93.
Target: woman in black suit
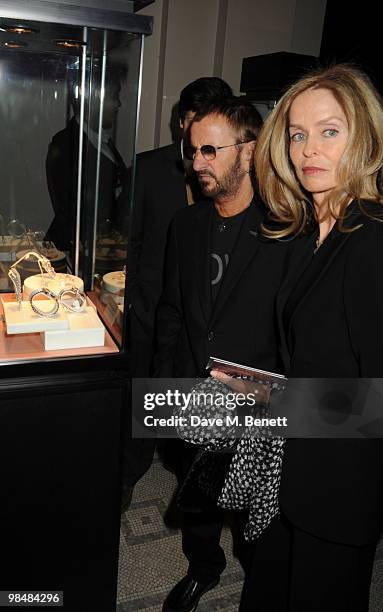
x=319, y=162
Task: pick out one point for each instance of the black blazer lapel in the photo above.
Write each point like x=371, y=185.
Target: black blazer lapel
x=302, y=256
x=318, y=268
x=244, y=250
x=202, y=230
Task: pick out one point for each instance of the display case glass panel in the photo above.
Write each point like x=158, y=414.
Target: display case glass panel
x=68, y=111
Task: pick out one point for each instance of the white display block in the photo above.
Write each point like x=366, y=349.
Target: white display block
x=25, y=321
x=85, y=330
x=58, y=283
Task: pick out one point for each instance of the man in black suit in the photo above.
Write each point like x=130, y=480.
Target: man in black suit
x=218, y=300
x=163, y=185
x=62, y=172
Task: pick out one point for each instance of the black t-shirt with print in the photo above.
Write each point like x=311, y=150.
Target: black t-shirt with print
x=224, y=233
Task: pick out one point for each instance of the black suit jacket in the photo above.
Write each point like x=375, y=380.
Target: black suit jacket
x=334, y=488
x=159, y=193
x=240, y=326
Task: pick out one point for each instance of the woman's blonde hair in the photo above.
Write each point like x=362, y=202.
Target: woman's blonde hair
x=360, y=169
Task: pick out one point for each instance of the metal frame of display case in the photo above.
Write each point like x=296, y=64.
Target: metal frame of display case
x=70, y=14
x=63, y=427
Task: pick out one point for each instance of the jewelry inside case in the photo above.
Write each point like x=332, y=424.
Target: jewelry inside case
x=53, y=304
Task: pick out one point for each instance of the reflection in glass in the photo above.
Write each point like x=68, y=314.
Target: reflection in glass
x=68, y=120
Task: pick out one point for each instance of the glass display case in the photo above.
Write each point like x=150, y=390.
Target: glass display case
x=68, y=111
x=69, y=92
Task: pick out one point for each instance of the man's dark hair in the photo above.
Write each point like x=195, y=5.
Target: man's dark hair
x=198, y=95
x=239, y=112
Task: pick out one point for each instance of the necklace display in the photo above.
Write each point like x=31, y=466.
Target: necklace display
x=44, y=265
x=16, y=281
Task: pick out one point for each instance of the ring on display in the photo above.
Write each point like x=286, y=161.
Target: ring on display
x=72, y=299
x=40, y=312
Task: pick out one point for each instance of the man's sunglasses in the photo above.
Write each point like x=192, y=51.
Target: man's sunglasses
x=208, y=152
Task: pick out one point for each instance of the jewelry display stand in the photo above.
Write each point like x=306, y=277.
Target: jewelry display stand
x=113, y=287
x=65, y=330
x=24, y=321
x=85, y=330
x=114, y=281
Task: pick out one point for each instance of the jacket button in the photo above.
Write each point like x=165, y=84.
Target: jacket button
x=210, y=336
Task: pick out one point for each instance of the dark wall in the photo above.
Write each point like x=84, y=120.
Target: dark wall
x=354, y=34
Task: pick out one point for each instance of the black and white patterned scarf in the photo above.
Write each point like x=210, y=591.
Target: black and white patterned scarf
x=253, y=478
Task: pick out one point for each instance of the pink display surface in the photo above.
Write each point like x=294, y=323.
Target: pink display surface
x=22, y=347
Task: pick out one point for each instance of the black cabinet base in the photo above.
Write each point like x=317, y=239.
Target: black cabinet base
x=60, y=504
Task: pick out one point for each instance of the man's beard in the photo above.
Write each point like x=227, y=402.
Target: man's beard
x=227, y=186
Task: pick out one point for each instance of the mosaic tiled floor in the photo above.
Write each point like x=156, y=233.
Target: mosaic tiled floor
x=151, y=560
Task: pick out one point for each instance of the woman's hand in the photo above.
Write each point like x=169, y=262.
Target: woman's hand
x=247, y=387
